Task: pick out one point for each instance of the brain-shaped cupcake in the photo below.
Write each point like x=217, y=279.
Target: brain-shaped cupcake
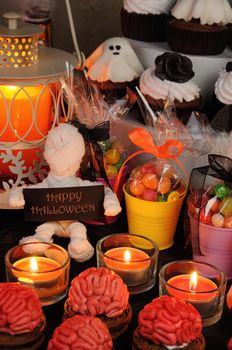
x=81, y=332
x=169, y=321
x=20, y=309
x=97, y=292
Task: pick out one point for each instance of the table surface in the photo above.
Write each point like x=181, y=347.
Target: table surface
x=13, y=228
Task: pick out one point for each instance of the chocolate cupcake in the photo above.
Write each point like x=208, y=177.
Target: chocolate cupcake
x=113, y=67
x=146, y=20
x=171, y=79
x=81, y=332
x=100, y=293
x=200, y=27
x=221, y=107
x=168, y=322
x=22, y=324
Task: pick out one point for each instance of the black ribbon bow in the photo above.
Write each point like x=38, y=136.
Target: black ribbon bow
x=93, y=149
x=221, y=167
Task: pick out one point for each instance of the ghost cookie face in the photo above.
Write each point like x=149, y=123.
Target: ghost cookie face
x=113, y=64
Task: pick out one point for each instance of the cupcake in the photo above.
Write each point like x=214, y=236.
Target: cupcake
x=22, y=323
x=199, y=27
x=171, y=79
x=146, y=20
x=81, y=332
x=168, y=323
x=222, y=101
x=113, y=66
x=100, y=293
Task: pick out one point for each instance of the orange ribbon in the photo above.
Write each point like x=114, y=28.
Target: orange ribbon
x=171, y=149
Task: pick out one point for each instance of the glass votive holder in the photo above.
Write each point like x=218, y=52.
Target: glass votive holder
x=41, y=266
x=134, y=258
x=200, y=284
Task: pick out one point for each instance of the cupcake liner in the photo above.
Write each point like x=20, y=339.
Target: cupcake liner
x=196, y=39
x=144, y=27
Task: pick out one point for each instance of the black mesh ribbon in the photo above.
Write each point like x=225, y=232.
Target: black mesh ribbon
x=219, y=167
x=93, y=149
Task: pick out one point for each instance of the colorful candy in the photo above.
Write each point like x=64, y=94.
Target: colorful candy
x=226, y=206
x=164, y=185
x=221, y=191
x=218, y=220
x=215, y=205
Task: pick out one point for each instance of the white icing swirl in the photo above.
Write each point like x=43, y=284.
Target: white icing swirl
x=208, y=11
x=163, y=89
x=223, y=87
x=155, y=7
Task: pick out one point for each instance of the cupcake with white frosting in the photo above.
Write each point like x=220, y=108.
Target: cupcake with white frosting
x=200, y=27
x=222, y=106
x=114, y=66
x=171, y=79
x=146, y=20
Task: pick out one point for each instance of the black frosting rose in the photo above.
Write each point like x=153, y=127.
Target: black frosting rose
x=229, y=66
x=174, y=67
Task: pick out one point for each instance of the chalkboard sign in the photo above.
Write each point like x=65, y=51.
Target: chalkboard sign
x=68, y=203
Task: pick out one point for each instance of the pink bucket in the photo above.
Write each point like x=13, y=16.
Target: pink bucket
x=215, y=245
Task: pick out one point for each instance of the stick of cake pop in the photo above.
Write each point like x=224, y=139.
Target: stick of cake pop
x=148, y=108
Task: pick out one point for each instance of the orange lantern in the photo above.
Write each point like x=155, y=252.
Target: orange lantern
x=29, y=101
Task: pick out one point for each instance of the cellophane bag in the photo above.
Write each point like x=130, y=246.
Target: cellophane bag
x=92, y=115
x=209, y=213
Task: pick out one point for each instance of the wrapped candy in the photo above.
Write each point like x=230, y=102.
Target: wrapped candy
x=210, y=213
x=156, y=181
x=92, y=115
x=155, y=191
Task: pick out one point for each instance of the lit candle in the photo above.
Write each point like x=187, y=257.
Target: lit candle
x=40, y=273
x=131, y=264
x=200, y=291
x=22, y=123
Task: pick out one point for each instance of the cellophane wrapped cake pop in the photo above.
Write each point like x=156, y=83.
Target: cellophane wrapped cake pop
x=209, y=208
x=92, y=115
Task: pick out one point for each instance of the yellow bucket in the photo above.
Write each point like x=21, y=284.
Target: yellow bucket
x=154, y=220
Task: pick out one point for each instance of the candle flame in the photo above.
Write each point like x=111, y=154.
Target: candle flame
x=193, y=281
x=34, y=265
x=127, y=256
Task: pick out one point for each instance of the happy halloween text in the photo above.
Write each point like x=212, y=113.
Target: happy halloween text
x=69, y=203
x=63, y=209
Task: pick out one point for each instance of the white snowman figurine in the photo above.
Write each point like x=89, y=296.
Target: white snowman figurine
x=64, y=150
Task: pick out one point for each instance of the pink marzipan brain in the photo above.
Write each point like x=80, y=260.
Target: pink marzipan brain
x=81, y=333
x=20, y=309
x=170, y=321
x=98, y=291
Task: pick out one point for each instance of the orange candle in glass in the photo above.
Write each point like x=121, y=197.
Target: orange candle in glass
x=39, y=273
x=131, y=264
x=43, y=267
x=198, y=290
